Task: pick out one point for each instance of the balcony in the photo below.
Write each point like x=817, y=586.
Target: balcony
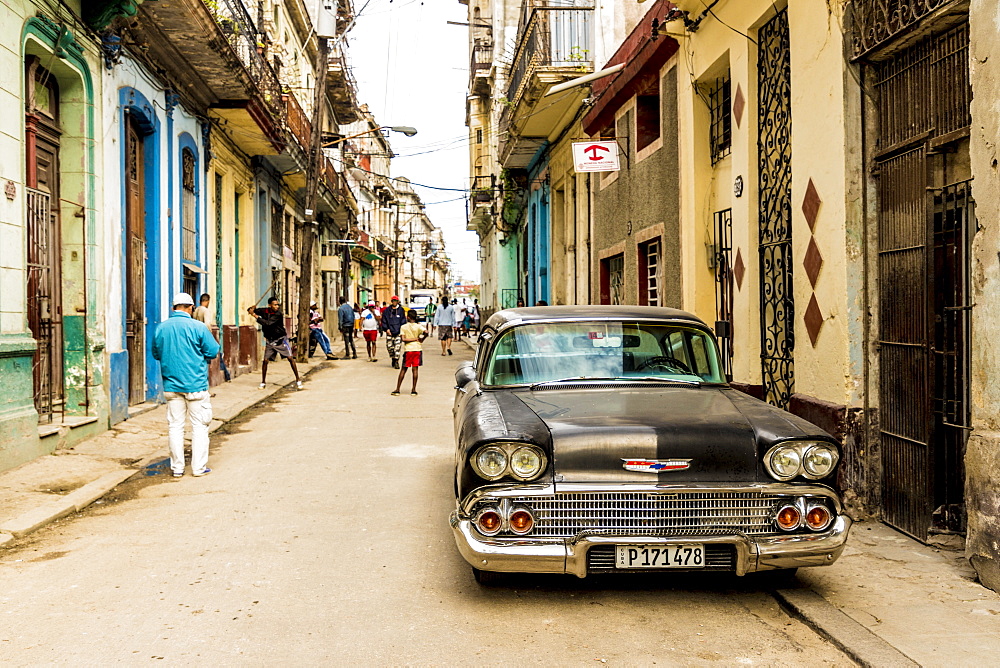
x=298, y=122
x=878, y=24
x=480, y=67
x=341, y=90
x=482, y=195
x=210, y=48
x=554, y=44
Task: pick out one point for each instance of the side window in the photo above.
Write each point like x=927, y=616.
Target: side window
x=701, y=364
x=484, y=344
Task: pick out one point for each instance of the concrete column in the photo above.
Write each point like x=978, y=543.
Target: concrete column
x=982, y=459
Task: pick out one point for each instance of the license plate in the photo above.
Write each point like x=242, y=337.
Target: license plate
x=691, y=555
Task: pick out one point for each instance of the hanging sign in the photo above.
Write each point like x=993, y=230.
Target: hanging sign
x=596, y=156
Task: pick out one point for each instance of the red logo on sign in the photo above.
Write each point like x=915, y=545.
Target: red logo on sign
x=594, y=148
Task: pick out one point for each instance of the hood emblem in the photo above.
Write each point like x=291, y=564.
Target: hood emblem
x=655, y=465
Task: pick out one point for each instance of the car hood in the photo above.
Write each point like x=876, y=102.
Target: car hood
x=594, y=429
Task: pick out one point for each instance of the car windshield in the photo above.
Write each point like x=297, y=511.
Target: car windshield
x=538, y=353
x=421, y=300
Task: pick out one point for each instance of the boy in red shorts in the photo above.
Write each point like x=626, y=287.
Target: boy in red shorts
x=413, y=335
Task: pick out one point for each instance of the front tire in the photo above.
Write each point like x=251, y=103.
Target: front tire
x=487, y=578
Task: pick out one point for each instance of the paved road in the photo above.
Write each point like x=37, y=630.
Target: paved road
x=321, y=537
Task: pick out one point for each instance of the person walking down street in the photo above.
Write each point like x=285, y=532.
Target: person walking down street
x=272, y=326
x=393, y=319
x=203, y=314
x=444, y=319
x=429, y=312
x=357, y=319
x=413, y=335
x=316, y=333
x=458, y=315
x=369, y=328
x=345, y=323
x=184, y=347
x=476, y=315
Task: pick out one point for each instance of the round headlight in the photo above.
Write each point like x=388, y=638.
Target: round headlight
x=489, y=522
x=819, y=460
x=785, y=462
x=788, y=518
x=491, y=462
x=525, y=463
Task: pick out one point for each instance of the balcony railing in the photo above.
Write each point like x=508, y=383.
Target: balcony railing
x=247, y=42
x=297, y=121
x=557, y=37
x=878, y=21
x=480, y=63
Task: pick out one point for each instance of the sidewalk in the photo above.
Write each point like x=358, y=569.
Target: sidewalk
x=893, y=601
x=48, y=488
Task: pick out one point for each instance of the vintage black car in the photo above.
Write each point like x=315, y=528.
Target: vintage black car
x=605, y=439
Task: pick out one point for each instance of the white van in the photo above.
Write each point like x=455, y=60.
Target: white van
x=419, y=299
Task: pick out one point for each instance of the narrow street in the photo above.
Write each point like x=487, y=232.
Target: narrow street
x=321, y=537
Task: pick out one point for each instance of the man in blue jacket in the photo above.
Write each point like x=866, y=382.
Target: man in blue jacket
x=184, y=348
x=393, y=319
x=345, y=323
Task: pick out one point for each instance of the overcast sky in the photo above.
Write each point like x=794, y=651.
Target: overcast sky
x=412, y=68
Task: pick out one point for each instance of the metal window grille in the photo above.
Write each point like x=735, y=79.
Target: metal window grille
x=651, y=251
x=44, y=308
x=616, y=278
x=189, y=243
x=720, y=108
x=877, y=22
x=277, y=226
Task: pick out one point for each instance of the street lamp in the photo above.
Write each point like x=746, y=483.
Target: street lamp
x=407, y=130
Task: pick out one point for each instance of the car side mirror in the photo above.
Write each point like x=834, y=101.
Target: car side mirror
x=465, y=374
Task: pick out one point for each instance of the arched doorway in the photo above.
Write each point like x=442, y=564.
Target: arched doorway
x=44, y=252
x=135, y=260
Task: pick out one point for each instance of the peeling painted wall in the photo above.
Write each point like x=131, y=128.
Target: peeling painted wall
x=983, y=451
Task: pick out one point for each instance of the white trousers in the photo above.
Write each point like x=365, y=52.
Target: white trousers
x=196, y=406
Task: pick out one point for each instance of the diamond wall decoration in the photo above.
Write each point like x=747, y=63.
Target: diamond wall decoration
x=739, y=269
x=810, y=205
x=813, y=319
x=739, y=103
x=813, y=261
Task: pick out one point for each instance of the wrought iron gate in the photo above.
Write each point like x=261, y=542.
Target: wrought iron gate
x=953, y=216
x=775, y=211
x=924, y=231
x=44, y=303
x=724, y=286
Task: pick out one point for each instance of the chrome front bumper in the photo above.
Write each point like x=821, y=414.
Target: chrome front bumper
x=569, y=555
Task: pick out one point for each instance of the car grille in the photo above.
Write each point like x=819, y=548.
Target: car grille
x=652, y=514
x=601, y=559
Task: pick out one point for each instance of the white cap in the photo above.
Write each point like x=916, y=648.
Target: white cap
x=183, y=298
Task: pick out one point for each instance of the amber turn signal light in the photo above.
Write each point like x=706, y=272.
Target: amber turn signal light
x=788, y=518
x=521, y=521
x=489, y=522
x=818, y=518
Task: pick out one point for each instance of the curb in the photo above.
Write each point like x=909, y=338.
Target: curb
x=33, y=520
x=856, y=641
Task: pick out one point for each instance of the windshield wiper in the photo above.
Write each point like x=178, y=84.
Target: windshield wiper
x=566, y=380
x=661, y=379
x=626, y=379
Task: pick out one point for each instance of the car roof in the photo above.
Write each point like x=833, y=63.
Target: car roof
x=588, y=311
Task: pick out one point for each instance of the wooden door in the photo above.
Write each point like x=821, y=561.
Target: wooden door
x=135, y=263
